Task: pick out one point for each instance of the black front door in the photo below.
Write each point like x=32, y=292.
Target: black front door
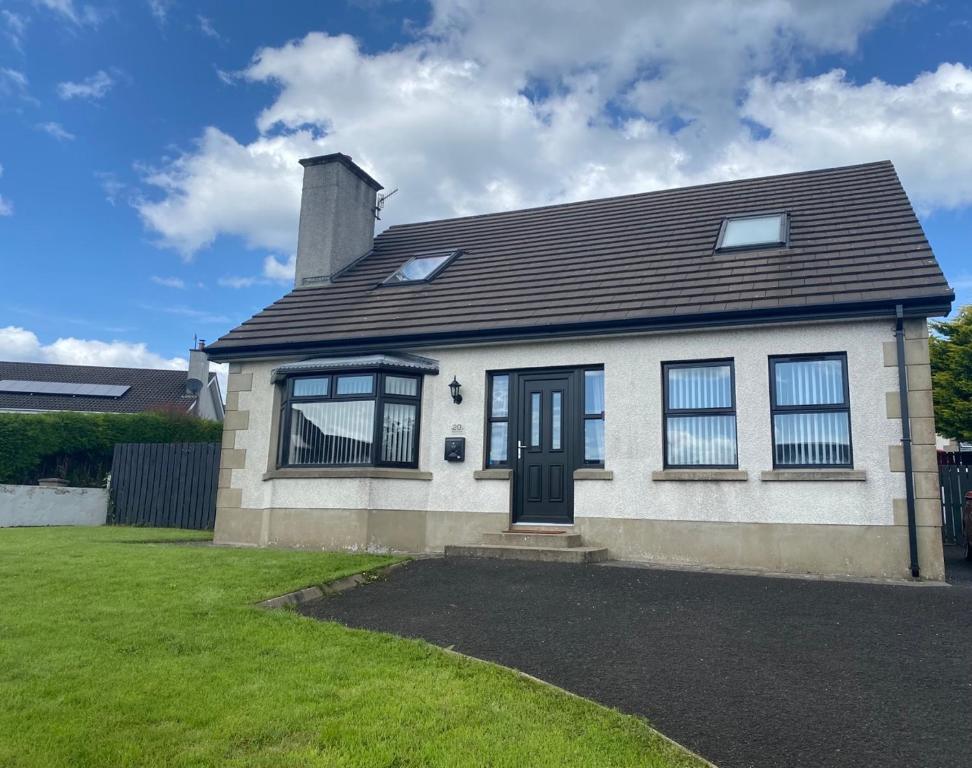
x=543, y=482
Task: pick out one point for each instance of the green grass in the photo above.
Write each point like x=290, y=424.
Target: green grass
x=119, y=650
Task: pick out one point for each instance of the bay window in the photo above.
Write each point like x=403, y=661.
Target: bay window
x=350, y=419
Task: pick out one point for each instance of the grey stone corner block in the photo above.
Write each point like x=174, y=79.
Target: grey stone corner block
x=923, y=458
x=920, y=404
x=236, y=420
x=232, y=458
x=916, y=328
x=916, y=352
x=922, y=431
x=225, y=478
x=239, y=382
x=229, y=497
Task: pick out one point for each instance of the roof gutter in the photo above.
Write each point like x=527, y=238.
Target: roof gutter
x=899, y=336
x=923, y=307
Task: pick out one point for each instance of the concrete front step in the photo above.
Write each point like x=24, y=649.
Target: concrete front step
x=559, y=539
x=537, y=554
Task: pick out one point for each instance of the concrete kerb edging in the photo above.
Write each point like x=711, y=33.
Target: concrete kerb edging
x=571, y=694
x=335, y=587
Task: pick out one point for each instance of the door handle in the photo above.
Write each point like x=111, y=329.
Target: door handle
x=519, y=449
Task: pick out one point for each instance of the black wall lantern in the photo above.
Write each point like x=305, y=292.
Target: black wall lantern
x=454, y=388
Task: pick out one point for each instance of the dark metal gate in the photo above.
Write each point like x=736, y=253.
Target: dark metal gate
x=956, y=481
x=165, y=485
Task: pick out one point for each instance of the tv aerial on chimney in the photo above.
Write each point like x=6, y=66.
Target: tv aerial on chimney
x=379, y=206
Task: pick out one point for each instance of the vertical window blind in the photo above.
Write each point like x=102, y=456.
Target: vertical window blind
x=345, y=419
x=811, y=412
x=700, y=414
x=498, y=417
x=593, y=417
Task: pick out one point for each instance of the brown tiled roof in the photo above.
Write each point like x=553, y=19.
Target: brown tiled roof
x=148, y=389
x=632, y=261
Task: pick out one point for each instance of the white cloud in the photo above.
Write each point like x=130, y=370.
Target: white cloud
x=15, y=27
x=160, y=10
x=274, y=271
x=13, y=83
x=80, y=15
x=20, y=344
x=199, y=315
x=56, y=130
x=6, y=207
x=207, y=28
x=504, y=104
x=111, y=186
x=923, y=126
x=94, y=87
x=169, y=282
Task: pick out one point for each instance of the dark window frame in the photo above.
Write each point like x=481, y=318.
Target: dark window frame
x=589, y=417
x=451, y=256
x=822, y=408
x=667, y=411
x=377, y=395
x=783, y=242
x=490, y=419
x=575, y=416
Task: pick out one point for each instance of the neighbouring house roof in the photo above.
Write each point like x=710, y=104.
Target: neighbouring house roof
x=623, y=263
x=147, y=389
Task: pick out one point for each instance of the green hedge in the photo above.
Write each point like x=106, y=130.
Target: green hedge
x=78, y=446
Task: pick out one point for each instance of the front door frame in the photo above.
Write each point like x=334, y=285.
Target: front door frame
x=573, y=429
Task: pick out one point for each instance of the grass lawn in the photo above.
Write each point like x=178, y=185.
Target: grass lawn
x=119, y=650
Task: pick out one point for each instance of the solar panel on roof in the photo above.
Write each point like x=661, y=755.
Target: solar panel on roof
x=63, y=388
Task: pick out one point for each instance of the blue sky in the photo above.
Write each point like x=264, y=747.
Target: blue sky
x=149, y=184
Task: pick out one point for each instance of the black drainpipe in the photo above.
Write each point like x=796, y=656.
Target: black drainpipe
x=899, y=336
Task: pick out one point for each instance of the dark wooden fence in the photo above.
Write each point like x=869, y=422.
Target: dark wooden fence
x=956, y=481
x=166, y=485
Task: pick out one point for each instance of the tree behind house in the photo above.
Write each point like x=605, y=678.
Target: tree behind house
x=951, y=363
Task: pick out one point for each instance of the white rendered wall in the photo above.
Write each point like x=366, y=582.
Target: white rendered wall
x=633, y=432
x=27, y=505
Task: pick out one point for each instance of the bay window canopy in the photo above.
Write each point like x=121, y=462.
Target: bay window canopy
x=351, y=411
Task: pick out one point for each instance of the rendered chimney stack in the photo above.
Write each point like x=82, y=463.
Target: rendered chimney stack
x=197, y=382
x=337, y=218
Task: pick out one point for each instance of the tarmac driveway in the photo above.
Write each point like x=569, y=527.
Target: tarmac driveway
x=747, y=671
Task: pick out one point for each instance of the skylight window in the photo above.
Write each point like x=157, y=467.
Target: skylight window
x=421, y=269
x=761, y=231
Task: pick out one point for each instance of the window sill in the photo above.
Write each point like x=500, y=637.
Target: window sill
x=700, y=475
x=593, y=474
x=796, y=475
x=493, y=474
x=376, y=473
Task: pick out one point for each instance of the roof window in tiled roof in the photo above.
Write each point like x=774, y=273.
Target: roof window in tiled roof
x=765, y=230
x=421, y=269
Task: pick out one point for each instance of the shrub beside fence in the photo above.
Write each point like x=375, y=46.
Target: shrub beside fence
x=78, y=446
